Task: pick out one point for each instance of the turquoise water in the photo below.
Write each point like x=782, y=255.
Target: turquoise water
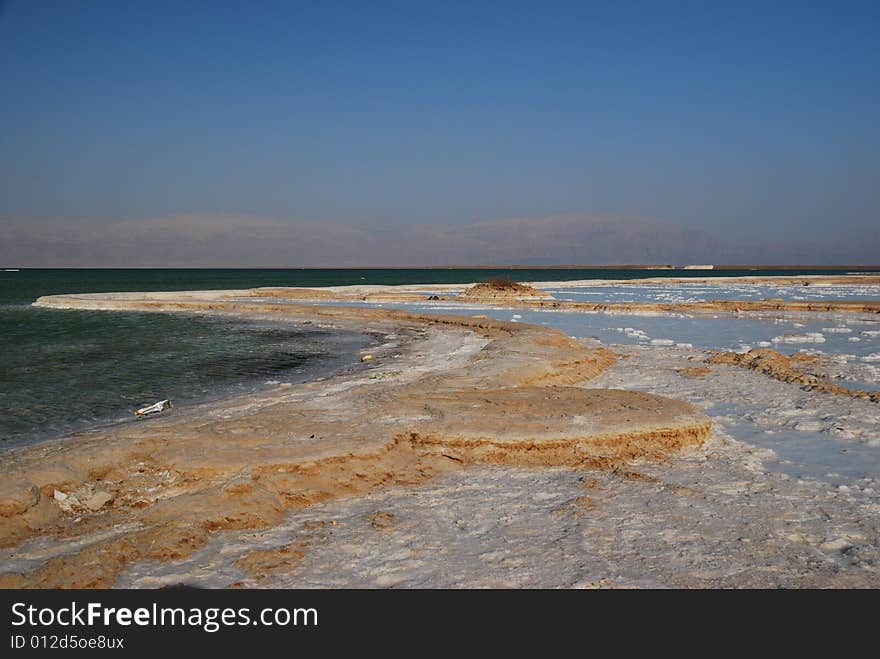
x=65, y=370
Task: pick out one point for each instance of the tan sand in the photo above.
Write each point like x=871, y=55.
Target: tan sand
x=789, y=369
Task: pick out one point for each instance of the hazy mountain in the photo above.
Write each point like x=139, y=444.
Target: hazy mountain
x=239, y=241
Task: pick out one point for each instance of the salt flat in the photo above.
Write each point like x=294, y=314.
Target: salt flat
x=484, y=444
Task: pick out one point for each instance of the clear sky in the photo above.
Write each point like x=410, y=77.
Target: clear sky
x=736, y=117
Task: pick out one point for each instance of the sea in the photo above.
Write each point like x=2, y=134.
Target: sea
x=64, y=370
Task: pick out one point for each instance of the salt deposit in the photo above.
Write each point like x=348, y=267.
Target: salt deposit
x=809, y=337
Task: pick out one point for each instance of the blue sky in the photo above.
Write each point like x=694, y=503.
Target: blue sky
x=731, y=117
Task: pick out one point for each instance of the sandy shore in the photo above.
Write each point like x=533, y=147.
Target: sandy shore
x=443, y=393
x=465, y=452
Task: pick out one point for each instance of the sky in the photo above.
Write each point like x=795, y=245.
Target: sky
x=752, y=122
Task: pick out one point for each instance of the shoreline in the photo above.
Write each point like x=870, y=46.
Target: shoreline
x=344, y=356
x=293, y=478
x=245, y=466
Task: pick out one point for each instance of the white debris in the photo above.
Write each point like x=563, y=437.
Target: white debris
x=662, y=342
x=809, y=337
x=837, y=330
x=65, y=501
x=155, y=408
x=632, y=333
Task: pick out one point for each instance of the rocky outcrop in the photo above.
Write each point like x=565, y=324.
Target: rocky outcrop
x=502, y=291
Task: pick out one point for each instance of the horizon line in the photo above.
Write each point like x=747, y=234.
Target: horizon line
x=617, y=266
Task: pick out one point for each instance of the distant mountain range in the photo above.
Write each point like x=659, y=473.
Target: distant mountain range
x=209, y=240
